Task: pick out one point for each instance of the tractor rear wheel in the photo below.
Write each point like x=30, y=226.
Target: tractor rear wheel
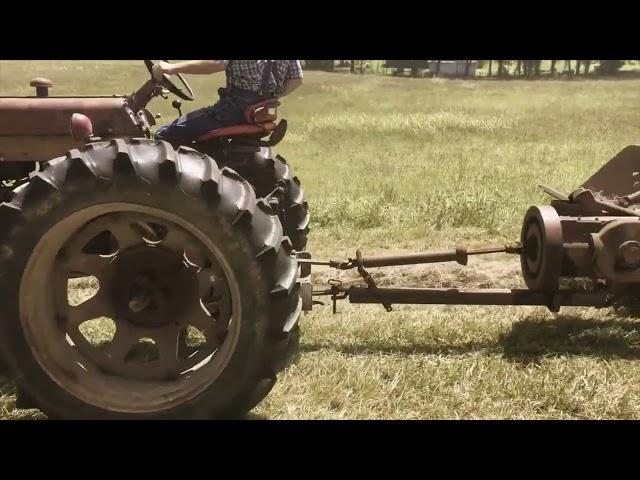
x=139, y=281
x=269, y=173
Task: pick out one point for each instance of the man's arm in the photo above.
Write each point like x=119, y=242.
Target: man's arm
x=294, y=77
x=290, y=86
x=198, y=67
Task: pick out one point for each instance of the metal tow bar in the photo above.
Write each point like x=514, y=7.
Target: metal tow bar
x=371, y=293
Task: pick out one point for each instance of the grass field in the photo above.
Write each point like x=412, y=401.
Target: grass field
x=400, y=164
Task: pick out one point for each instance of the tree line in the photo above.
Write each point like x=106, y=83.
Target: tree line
x=493, y=68
x=533, y=68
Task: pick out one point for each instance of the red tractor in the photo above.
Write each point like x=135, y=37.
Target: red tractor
x=189, y=253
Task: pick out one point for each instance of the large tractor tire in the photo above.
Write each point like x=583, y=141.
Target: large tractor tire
x=265, y=173
x=197, y=297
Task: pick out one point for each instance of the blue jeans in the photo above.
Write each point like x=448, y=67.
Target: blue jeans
x=229, y=110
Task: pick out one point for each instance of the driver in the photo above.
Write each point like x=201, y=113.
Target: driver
x=248, y=82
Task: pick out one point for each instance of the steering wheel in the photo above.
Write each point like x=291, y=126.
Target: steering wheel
x=185, y=94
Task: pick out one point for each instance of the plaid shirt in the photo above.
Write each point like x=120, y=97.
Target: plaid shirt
x=247, y=74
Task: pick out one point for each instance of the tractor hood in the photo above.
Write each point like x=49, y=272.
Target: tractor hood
x=50, y=116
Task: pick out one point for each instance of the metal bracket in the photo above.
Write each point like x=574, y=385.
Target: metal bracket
x=337, y=293
x=372, y=293
x=306, y=288
x=368, y=278
x=277, y=195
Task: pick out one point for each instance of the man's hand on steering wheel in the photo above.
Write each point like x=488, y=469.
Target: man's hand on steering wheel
x=161, y=71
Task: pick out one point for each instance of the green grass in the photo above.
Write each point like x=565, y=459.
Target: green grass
x=405, y=164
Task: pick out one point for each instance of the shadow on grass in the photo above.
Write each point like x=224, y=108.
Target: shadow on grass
x=533, y=338
x=373, y=347
x=528, y=341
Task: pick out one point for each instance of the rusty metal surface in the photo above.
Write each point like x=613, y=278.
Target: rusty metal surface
x=40, y=82
x=371, y=284
x=577, y=259
x=25, y=148
x=42, y=86
x=554, y=193
x=579, y=228
x=597, y=206
x=480, y=296
x=460, y=255
x=542, y=241
x=141, y=97
x=613, y=255
x=616, y=177
x=51, y=116
x=629, y=200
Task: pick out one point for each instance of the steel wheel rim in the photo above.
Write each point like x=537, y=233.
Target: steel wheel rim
x=101, y=376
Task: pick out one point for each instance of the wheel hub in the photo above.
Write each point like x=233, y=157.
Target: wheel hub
x=164, y=292
x=152, y=286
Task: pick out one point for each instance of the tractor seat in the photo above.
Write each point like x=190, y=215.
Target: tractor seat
x=260, y=119
x=259, y=130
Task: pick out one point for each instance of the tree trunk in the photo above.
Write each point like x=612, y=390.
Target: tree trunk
x=538, y=65
x=353, y=66
x=518, y=65
x=415, y=71
x=437, y=68
x=500, y=68
x=610, y=67
x=467, y=67
x=490, y=65
x=578, y=63
x=553, y=67
x=587, y=64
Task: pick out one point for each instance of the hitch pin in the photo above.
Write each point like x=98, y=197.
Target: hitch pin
x=313, y=262
x=329, y=263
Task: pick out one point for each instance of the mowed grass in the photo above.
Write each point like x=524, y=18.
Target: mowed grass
x=406, y=164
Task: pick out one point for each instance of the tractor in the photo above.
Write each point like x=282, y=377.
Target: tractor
x=191, y=251
x=191, y=263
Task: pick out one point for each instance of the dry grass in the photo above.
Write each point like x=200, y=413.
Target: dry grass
x=455, y=362
x=406, y=164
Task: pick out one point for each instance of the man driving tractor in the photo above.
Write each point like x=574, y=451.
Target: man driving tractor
x=248, y=82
